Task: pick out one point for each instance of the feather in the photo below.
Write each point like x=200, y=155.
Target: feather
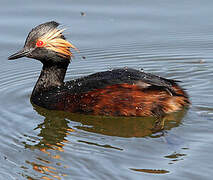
x=53, y=41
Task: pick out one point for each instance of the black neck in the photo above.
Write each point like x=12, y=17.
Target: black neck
x=52, y=75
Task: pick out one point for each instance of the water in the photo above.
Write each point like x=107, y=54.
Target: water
x=168, y=38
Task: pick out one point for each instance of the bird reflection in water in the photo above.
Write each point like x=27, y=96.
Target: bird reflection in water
x=55, y=129
x=52, y=137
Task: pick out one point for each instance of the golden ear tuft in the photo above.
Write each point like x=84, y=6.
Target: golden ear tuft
x=53, y=40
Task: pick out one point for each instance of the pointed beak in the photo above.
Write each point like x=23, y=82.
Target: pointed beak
x=21, y=53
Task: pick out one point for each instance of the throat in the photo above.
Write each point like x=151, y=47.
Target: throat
x=51, y=76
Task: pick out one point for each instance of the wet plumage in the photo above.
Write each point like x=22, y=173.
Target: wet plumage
x=119, y=92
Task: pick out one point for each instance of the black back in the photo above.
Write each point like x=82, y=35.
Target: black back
x=117, y=76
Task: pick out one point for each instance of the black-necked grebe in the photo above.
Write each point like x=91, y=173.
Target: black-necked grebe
x=119, y=92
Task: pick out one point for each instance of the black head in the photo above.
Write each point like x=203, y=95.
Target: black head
x=46, y=43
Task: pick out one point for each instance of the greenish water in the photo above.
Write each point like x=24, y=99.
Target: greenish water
x=173, y=39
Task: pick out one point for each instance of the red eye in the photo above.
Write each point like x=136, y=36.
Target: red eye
x=40, y=43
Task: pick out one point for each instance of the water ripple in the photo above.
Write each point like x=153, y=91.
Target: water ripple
x=170, y=39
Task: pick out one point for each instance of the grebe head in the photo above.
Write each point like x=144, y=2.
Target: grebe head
x=46, y=43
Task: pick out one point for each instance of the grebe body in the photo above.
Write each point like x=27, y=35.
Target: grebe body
x=118, y=92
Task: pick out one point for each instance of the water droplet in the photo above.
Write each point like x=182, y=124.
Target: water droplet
x=70, y=87
x=110, y=68
x=83, y=14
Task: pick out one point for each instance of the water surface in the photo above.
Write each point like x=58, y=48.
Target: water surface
x=172, y=39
